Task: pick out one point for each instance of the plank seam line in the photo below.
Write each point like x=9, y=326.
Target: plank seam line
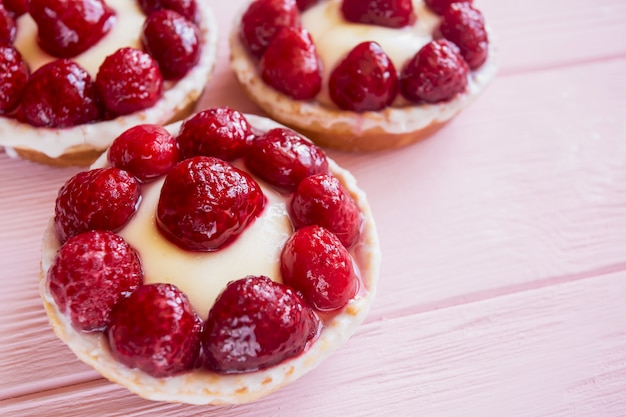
x=554, y=66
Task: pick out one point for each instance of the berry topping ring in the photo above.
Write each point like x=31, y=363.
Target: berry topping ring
x=362, y=75
x=186, y=277
x=74, y=74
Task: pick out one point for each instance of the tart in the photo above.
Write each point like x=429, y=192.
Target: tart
x=275, y=270
x=60, y=104
x=362, y=75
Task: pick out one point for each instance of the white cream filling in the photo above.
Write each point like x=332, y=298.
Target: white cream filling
x=55, y=142
x=203, y=275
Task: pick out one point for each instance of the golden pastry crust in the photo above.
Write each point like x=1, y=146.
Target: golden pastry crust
x=81, y=145
x=334, y=128
x=204, y=387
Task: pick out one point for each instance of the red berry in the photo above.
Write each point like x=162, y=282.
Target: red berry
x=68, y=27
x=436, y=73
x=290, y=64
x=256, y=323
x=186, y=8
x=262, y=21
x=156, y=330
x=14, y=74
x=129, y=80
x=283, y=158
x=146, y=151
x=389, y=13
x=324, y=201
x=173, y=41
x=220, y=132
x=99, y=199
x=206, y=203
x=315, y=263
x=439, y=6
x=60, y=94
x=465, y=26
x=91, y=273
x=8, y=28
x=366, y=79
x=16, y=7
x=305, y=4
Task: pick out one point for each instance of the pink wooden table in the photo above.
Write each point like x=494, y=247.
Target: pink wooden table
x=503, y=285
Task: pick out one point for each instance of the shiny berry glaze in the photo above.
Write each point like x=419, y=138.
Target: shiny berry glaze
x=290, y=64
x=68, y=27
x=365, y=80
x=196, y=213
x=465, y=26
x=322, y=200
x=8, y=28
x=146, y=151
x=256, y=323
x=219, y=131
x=283, y=158
x=388, y=13
x=100, y=199
x=436, y=73
x=315, y=262
x=129, y=80
x=173, y=41
x=155, y=330
x=60, y=94
x=91, y=273
x=14, y=74
x=263, y=20
x=439, y=6
x=186, y=8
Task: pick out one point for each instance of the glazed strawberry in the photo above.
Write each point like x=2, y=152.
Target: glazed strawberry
x=324, y=201
x=129, y=80
x=439, y=6
x=283, y=158
x=290, y=64
x=155, y=330
x=186, y=8
x=465, y=26
x=206, y=203
x=262, y=21
x=60, y=94
x=173, y=41
x=8, y=29
x=256, y=323
x=146, y=151
x=305, y=4
x=436, y=73
x=315, y=262
x=388, y=13
x=14, y=75
x=91, y=273
x=65, y=28
x=99, y=199
x=16, y=7
x=365, y=80
x=220, y=132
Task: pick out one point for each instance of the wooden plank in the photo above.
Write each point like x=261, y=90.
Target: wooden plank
x=555, y=351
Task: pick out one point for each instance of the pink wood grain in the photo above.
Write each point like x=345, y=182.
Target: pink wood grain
x=503, y=283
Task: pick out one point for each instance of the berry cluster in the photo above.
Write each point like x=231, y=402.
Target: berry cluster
x=205, y=204
x=366, y=79
x=61, y=93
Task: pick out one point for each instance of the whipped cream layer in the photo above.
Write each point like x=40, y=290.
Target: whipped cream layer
x=335, y=37
x=203, y=275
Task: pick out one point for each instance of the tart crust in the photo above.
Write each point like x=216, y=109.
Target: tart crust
x=392, y=127
x=205, y=387
x=81, y=145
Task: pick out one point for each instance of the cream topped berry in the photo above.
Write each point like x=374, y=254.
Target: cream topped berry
x=149, y=60
x=361, y=48
x=213, y=314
